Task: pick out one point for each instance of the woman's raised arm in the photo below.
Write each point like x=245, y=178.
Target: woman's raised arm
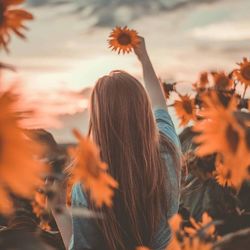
x=152, y=83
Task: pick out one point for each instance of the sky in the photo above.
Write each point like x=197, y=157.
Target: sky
x=66, y=49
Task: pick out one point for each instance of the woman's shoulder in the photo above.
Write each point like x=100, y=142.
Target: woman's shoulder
x=166, y=126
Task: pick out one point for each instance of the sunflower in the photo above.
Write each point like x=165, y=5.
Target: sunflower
x=92, y=171
x=232, y=169
x=168, y=88
x=12, y=20
x=142, y=248
x=222, y=81
x=185, y=109
x=227, y=175
x=223, y=175
x=123, y=39
x=20, y=171
x=243, y=74
x=220, y=132
x=196, y=244
x=202, y=83
x=202, y=225
x=175, y=223
x=181, y=241
x=39, y=204
x=218, y=125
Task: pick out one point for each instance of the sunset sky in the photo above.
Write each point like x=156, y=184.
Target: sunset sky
x=66, y=50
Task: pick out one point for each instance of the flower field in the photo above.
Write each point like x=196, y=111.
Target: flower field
x=214, y=210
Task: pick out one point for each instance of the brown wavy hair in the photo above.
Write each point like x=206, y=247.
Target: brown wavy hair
x=123, y=126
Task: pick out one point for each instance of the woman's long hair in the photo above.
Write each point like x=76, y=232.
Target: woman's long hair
x=123, y=126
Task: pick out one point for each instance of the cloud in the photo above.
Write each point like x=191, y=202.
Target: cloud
x=108, y=13
x=77, y=121
x=225, y=31
x=38, y=3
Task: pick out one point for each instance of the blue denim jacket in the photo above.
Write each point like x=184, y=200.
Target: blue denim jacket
x=85, y=232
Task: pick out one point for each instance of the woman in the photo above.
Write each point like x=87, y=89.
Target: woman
x=144, y=159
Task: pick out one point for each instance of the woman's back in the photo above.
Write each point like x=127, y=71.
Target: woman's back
x=86, y=232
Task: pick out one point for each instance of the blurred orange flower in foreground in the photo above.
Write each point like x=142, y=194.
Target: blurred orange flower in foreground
x=92, y=171
x=196, y=244
x=220, y=132
x=185, y=109
x=205, y=220
x=217, y=125
x=142, y=248
x=20, y=169
x=123, y=39
x=181, y=241
x=12, y=20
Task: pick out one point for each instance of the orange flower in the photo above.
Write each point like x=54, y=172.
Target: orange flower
x=39, y=204
x=175, y=222
x=39, y=207
x=44, y=225
x=243, y=74
x=168, y=88
x=20, y=171
x=196, y=244
x=223, y=175
x=92, y=171
x=232, y=169
x=123, y=39
x=185, y=109
x=202, y=83
x=142, y=248
x=220, y=132
x=175, y=225
x=221, y=81
x=206, y=219
x=218, y=125
x=12, y=20
x=181, y=241
x=228, y=176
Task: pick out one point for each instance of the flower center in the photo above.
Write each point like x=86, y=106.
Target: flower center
x=228, y=175
x=124, y=39
x=232, y=137
x=187, y=105
x=246, y=72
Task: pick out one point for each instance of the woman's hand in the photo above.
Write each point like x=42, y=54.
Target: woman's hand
x=141, y=51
